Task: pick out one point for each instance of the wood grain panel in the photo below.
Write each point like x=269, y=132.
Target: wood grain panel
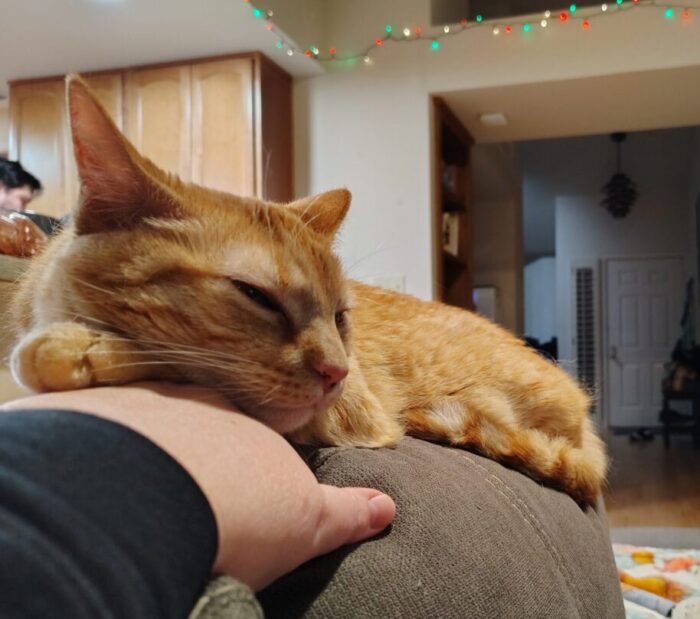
x=222, y=126
x=39, y=140
x=276, y=176
x=157, y=116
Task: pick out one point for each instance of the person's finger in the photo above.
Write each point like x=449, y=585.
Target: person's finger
x=350, y=515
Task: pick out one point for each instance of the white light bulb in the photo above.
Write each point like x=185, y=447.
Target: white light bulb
x=290, y=52
x=407, y=32
x=547, y=14
x=446, y=29
x=496, y=29
x=367, y=60
x=543, y=23
x=604, y=8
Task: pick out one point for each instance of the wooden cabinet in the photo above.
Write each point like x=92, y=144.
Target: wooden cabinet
x=223, y=126
x=158, y=117
x=224, y=123
x=39, y=139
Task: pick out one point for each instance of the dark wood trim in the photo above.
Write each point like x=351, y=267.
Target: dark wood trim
x=452, y=276
x=438, y=259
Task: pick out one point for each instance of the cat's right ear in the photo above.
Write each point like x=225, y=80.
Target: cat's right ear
x=116, y=189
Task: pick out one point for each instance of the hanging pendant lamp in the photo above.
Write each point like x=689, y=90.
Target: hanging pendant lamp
x=620, y=193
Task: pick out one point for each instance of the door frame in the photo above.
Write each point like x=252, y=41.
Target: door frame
x=605, y=327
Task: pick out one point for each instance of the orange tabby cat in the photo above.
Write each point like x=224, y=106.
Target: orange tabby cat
x=159, y=279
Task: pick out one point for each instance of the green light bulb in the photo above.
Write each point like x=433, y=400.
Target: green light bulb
x=526, y=27
x=257, y=13
x=278, y=45
x=573, y=8
x=479, y=18
x=668, y=14
x=388, y=29
x=435, y=44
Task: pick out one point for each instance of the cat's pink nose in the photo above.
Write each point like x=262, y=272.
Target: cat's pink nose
x=330, y=374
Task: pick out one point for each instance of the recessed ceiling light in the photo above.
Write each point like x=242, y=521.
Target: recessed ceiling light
x=493, y=119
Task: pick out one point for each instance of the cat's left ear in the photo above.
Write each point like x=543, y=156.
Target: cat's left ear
x=325, y=212
x=118, y=187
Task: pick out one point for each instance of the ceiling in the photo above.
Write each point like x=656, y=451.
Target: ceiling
x=51, y=37
x=628, y=102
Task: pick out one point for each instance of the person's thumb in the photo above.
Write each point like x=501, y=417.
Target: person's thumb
x=351, y=515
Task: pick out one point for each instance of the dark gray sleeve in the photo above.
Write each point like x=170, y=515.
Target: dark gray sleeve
x=97, y=521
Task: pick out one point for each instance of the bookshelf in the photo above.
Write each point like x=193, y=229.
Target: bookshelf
x=452, y=212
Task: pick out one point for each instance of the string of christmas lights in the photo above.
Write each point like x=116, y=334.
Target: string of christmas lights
x=433, y=39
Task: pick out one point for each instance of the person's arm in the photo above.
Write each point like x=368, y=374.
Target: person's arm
x=270, y=513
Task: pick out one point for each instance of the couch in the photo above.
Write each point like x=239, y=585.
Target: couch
x=471, y=538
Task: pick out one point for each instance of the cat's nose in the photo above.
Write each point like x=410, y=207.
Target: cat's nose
x=330, y=374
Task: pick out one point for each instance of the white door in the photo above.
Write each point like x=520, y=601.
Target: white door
x=644, y=299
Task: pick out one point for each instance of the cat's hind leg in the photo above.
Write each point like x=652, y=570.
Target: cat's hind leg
x=488, y=424
x=68, y=355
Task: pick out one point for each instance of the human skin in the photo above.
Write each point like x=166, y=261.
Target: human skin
x=271, y=513
x=16, y=198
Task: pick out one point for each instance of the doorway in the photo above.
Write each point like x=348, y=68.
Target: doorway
x=643, y=301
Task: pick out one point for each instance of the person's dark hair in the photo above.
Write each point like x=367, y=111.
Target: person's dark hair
x=12, y=175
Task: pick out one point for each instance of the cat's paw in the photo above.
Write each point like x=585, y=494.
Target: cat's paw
x=67, y=355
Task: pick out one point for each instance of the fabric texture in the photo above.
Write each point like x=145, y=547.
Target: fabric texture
x=226, y=598
x=96, y=521
x=471, y=539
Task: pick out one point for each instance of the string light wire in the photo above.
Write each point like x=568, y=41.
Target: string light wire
x=433, y=41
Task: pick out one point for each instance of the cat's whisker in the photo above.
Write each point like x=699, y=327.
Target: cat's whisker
x=359, y=261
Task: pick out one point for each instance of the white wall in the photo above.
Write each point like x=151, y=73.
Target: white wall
x=540, y=299
x=370, y=129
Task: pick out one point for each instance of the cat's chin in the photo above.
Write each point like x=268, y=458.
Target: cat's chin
x=285, y=420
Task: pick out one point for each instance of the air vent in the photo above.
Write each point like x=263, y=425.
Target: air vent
x=585, y=329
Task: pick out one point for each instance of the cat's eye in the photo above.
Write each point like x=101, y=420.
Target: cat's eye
x=258, y=296
x=340, y=319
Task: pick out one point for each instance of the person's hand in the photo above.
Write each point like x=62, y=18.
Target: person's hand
x=272, y=514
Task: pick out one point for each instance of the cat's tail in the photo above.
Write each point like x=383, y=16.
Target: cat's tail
x=577, y=469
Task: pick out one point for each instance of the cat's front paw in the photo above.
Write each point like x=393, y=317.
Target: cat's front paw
x=53, y=359
x=67, y=355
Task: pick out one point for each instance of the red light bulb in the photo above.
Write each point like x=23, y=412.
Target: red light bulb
x=307, y=53
x=379, y=42
x=333, y=51
x=508, y=29
x=563, y=16
x=586, y=24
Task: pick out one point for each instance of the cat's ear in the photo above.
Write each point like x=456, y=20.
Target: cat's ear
x=325, y=212
x=117, y=186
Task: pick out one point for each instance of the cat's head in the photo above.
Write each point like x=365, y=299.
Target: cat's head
x=234, y=293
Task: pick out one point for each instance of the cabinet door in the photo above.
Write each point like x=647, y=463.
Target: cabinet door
x=223, y=154
x=109, y=92
x=157, y=117
x=39, y=140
